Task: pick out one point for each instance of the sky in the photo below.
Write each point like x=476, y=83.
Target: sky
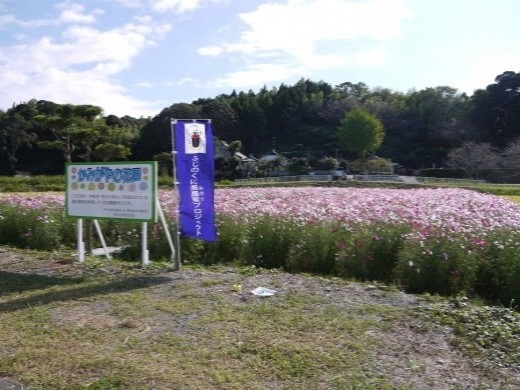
x=137, y=57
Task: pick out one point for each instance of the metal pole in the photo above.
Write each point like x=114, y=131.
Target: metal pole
x=102, y=239
x=166, y=231
x=80, y=243
x=144, y=248
x=176, y=192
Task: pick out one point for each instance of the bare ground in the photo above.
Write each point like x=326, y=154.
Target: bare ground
x=416, y=352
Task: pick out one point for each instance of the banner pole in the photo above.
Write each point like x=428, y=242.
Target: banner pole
x=178, y=259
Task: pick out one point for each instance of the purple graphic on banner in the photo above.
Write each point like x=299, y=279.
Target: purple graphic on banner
x=195, y=174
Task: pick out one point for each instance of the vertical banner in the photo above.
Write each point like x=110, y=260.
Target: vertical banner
x=195, y=168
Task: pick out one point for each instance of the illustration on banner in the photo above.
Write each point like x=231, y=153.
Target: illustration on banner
x=195, y=138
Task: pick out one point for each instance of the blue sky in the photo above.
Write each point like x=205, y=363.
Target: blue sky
x=136, y=57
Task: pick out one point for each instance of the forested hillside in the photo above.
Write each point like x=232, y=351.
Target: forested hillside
x=421, y=127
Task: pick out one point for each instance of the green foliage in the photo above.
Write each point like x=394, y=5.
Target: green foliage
x=29, y=228
x=440, y=265
x=495, y=109
x=298, y=166
x=446, y=265
x=269, y=242
x=498, y=276
x=420, y=127
x=374, y=165
x=32, y=183
x=315, y=250
x=442, y=172
x=370, y=252
x=111, y=152
x=361, y=132
x=71, y=126
x=228, y=248
x=327, y=163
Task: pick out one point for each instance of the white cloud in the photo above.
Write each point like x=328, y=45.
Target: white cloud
x=483, y=71
x=71, y=13
x=257, y=73
x=176, y=5
x=306, y=35
x=374, y=56
x=144, y=84
x=7, y=19
x=298, y=27
x=74, y=13
x=80, y=67
x=210, y=51
x=80, y=88
x=186, y=81
x=130, y=3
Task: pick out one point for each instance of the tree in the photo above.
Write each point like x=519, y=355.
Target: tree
x=375, y=165
x=327, y=164
x=510, y=164
x=72, y=126
x=15, y=131
x=474, y=158
x=155, y=137
x=361, y=132
x=496, y=110
x=111, y=152
x=223, y=117
x=116, y=137
x=298, y=166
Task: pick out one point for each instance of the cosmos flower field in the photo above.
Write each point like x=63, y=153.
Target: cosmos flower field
x=426, y=239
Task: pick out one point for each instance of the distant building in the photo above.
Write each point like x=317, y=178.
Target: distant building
x=274, y=164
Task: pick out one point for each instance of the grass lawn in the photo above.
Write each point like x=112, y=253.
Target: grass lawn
x=113, y=325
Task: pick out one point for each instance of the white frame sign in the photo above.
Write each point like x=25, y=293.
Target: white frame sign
x=114, y=190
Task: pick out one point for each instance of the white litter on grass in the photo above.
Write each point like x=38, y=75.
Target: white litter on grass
x=263, y=292
x=109, y=250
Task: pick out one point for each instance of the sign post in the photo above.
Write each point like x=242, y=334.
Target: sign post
x=116, y=191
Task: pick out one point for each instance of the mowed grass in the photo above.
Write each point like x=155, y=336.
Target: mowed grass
x=114, y=325
x=185, y=330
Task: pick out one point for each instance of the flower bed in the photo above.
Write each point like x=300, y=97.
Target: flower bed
x=444, y=241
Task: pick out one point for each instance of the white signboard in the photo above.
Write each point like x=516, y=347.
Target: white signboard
x=125, y=190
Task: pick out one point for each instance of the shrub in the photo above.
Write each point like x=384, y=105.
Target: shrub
x=498, y=276
x=370, y=251
x=32, y=183
x=229, y=246
x=439, y=265
x=29, y=228
x=315, y=250
x=269, y=241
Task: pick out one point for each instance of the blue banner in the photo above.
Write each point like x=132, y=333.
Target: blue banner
x=195, y=168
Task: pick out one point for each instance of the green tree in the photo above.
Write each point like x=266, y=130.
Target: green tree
x=361, y=132
x=15, y=131
x=327, y=164
x=72, y=127
x=223, y=117
x=111, y=152
x=155, y=137
x=298, y=166
x=496, y=110
x=116, y=137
